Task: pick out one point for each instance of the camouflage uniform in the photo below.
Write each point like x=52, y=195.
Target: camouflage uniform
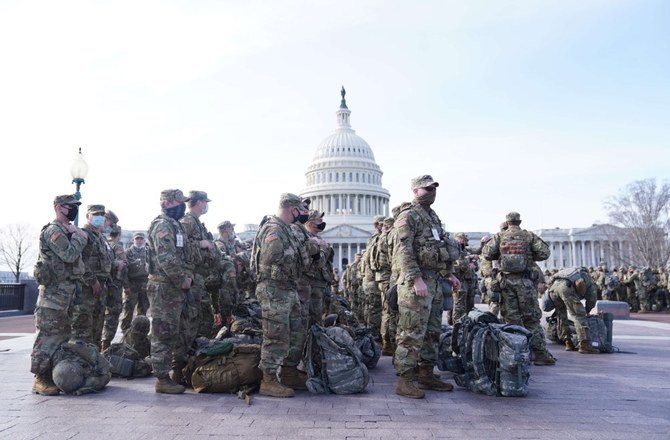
x=383, y=278
x=567, y=300
x=58, y=272
x=169, y=269
x=135, y=293
x=372, y=294
x=491, y=285
x=464, y=298
x=229, y=294
x=645, y=286
x=519, y=304
x=89, y=308
x=352, y=286
x=113, y=301
x=305, y=263
x=319, y=276
x=276, y=260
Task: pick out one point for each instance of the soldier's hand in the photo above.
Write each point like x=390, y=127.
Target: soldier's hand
x=121, y=264
x=206, y=244
x=455, y=282
x=75, y=230
x=186, y=284
x=420, y=287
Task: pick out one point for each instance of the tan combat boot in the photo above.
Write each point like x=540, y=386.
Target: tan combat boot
x=428, y=381
x=270, y=386
x=543, y=358
x=587, y=348
x=165, y=385
x=178, y=373
x=407, y=388
x=293, y=378
x=45, y=386
x=569, y=346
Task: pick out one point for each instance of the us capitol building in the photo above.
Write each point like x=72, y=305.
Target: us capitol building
x=345, y=182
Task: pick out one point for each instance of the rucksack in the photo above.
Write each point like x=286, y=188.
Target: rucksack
x=514, y=252
x=574, y=276
x=334, y=364
x=446, y=359
x=225, y=373
x=600, y=331
x=125, y=361
x=369, y=348
x=96, y=368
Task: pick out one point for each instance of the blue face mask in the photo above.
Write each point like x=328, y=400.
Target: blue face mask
x=205, y=209
x=98, y=220
x=107, y=230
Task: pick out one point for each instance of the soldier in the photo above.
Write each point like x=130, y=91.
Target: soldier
x=383, y=278
x=319, y=275
x=170, y=279
x=276, y=262
x=352, y=287
x=369, y=269
x=58, y=273
x=631, y=294
x=226, y=240
x=392, y=241
x=465, y=271
x=119, y=278
x=310, y=260
x=135, y=291
x=516, y=249
x=422, y=255
x=229, y=293
x=567, y=297
x=206, y=261
x=89, y=307
x=490, y=284
x=335, y=284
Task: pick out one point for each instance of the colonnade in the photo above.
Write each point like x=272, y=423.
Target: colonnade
x=354, y=204
x=588, y=253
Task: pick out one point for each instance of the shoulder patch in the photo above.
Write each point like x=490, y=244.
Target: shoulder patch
x=55, y=236
x=162, y=234
x=271, y=237
x=401, y=222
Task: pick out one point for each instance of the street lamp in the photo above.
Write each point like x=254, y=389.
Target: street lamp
x=79, y=169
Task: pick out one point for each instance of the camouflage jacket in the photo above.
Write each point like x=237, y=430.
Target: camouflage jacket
x=381, y=257
x=275, y=255
x=98, y=257
x=321, y=267
x=462, y=268
x=308, y=250
x=168, y=251
x=136, y=259
x=59, y=255
x=534, y=249
x=350, y=278
x=205, y=261
x=365, y=271
x=225, y=248
x=119, y=277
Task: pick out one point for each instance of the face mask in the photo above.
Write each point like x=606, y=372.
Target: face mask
x=138, y=246
x=107, y=230
x=302, y=218
x=176, y=212
x=232, y=235
x=205, y=209
x=426, y=199
x=97, y=221
x=321, y=226
x=72, y=212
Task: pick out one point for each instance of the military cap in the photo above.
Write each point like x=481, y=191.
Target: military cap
x=288, y=200
x=173, y=195
x=359, y=255
x=198, y=195
x=139, y=235
x=66, y=199
x=306, y=201
x=462, y=235
x=111, y=216
x=485, y=239
x=116, y=229
x=314, y=215
x=424, y=181
x=225, y=224
x=95, y=208
x=388, y=221
x=379, y=219
x=513, y=217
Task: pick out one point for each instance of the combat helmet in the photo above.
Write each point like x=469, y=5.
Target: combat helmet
x=68, y=375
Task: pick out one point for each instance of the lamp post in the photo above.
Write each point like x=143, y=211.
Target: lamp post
x=79, y=169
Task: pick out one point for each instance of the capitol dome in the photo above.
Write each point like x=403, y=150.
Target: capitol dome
x=345, y=182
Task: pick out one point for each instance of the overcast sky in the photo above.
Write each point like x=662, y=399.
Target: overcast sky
x=543, y=107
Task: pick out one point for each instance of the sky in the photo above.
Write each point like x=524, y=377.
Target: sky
x=542, y=107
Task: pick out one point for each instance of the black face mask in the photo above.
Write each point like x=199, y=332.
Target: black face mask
x=302, y=218
x=72, y=212
x=321, y=226
x=176, y=212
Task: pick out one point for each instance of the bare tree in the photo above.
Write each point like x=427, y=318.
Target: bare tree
x=17, y=247
x=642, y=210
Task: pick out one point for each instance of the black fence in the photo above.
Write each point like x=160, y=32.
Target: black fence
x=12, y=296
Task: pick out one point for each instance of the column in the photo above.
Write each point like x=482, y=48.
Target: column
x=358, y=248
x=349, y=256
x=560, y=255
x=573, y=248
x=593, y=255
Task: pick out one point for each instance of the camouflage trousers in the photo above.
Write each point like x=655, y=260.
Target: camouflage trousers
x=373, y=303
x=318, y=294
x=357, y=302
x=389, y=322
x=135, y=301
x=88, y=315
x=645, y=297
x=167, y=302
x=566, y=300
x=304, y=290
x=52, y=323
x=519, y=306
x=419, y=325
x=463, y=300
x=206, y=312
x=283, y=328
x=113, y=306
x=189, y=322
x=631, y=296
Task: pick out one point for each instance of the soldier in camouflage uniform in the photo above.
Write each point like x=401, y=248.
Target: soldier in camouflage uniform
x=421, y=254
x=135, y=291
x=89, y=306
x=119, y=278
x=371, y=293
x=392, y=241
x=491, y=286
x=206, y=262
x=229, y=293
x=170, y=279
x=465, y=271
x=58, y=273
x=631, y=294
x=320, y=274
x=516, y=250
x=352, y=287
x=383, y=277
x=276, y=260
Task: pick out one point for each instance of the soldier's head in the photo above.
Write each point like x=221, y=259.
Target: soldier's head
x=378, y=222
x=336, y=270
x=304, y=210
x=590, y=269
x=66, y=207
x=68, y=375
x=95, y=216
x=138, y=239
x=513, y=218
x=115, y=233
x=198, y=203
x=424, y=189
x=173, y=203
x=462, y=238
x=111, y=216
x=140, y=325
x=315, y=223
x=357, y=257
x=290, y=207
x=388, y=223
x=226, y=230
x=631, y=269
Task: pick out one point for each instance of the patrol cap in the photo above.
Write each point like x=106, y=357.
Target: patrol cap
x=173, y=195
x=388, y=221
x=93, y=209
x=109, y=214
x=139, y=235
x=314, y=215
x=306, y=201
x=424, y=181
x=513, y=217
x=66, y=199
x=379, y=219
x=225, y=224
x=461, y=235
x=116, y=229
x=288, y=200
x=198, y=195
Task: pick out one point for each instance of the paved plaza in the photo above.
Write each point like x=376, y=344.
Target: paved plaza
x=607, y=396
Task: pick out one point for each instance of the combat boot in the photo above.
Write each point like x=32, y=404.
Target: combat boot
x=543, y=358
x=165, y=385
x=587, y=348
x=428, y=381
x=178, y=373
x=569, y=345
x=407, y=388
x=270, y=386
x=104, y=345
x=293, y=378
x=45, y=386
